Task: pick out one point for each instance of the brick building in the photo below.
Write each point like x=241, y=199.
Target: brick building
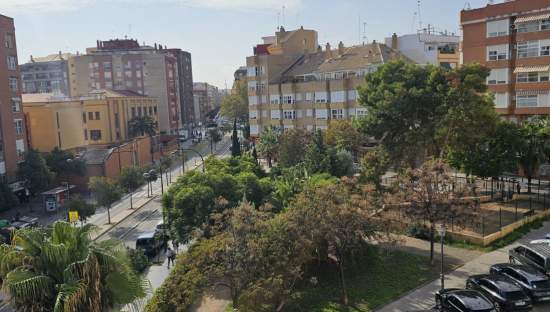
x=185, y=86
x=512, y=38
x=12, y=121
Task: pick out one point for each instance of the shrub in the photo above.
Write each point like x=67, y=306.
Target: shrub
x=138, y=259
x=418, y=230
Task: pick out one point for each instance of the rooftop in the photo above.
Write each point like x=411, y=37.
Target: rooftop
x=93, y=95
x=51, y=58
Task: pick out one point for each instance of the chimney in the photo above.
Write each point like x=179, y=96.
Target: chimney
x=60, y=57
x=328, y=52
x=32, y=59
x=340, y=48
x=97, y=43
x=374, y=42
x=394, y=42
x=155, y=46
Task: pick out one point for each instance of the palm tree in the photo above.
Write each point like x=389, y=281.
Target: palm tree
x=62, y=269
x=144, y=125
x=269, y=143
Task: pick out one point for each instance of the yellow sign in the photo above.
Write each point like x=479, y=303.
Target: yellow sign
x=73, y=216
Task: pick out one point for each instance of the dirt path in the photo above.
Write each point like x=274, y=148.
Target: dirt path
x=213, y=301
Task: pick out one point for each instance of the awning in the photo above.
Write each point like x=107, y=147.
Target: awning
x=531, y=92
x=532, y=69
x=532, y=18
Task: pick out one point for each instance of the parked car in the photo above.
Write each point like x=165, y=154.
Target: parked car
x=150, y=243
x=533, y=282
x=506, y=294
x=462, y=300
x=535, y=255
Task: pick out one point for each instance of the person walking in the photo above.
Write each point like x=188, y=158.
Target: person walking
x=171, y=256
x=176, y=245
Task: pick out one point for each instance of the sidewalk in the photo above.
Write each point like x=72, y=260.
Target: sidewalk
x=423, y=297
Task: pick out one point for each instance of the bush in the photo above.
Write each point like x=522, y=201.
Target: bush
x=138, y=259
x=418, y=230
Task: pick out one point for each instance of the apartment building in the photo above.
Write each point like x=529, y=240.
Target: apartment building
x=185, y=86
x=72, y=123
x=13, y=141
x=49, y=74
x=207, y=98
x=293, y=83
x=122, y=64
x=428, y=47
x=512, y=38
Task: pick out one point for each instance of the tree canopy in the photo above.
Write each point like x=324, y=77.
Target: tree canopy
x=35, y=171
x=142, y=125
x=235, y=105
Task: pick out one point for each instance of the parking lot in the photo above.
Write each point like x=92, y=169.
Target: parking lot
x=423, y=297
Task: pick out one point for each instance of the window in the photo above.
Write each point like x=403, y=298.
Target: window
x=289, y=114
x=338, y=96
x=90, y=116
x=544, y=47
x=337, y=114
x=8, y=41
x=107, y=66
x=528, y=49
x=252, y=100
x=16, y=104
x=352, y=95
x=498, y=52
x=501, y=100
x=309, y=112
x=543, y=76
x=84, y=117
x=155, y=109
x=320, y=97
x=96, y=115
x=534, y=257
x=545, y=24
x=13, y=84
x=321, y=113
x=18, y=126
x=150, y=110
x=253, y=114
x=528, y=27
x=498, y=28
x=527, y=100
x=20, y=147
x=275, y=114
x=252, y=86
x=309, y=96
x=117, y=121
x=498, y=76
x=287, y=99
x=95, y=135
x=139, y=111
x=12, y=62
x=360, y=112
x=274, y=99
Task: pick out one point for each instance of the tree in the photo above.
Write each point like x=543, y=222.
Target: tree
x=141, y=126
x=341, y=162
x=106, y=192
x=268, y=145
x=316, y=157
x=534, y=146
x=292, y=146
x=374, y=165
x=79, y=204
x=215, y=137
x=342, y=135
x=429, y=193
x=418, y=111
x=7, y=198
x=166, y=163
x=235, y=144
x=63, y=163
x=35, y=171
x=234, y=108
x=130, y=179
x=62, y=269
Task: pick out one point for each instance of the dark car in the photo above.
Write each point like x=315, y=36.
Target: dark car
x=506, y=294
x=150, y=243
x=534, y=283
x=462, y=300
x=535, y=255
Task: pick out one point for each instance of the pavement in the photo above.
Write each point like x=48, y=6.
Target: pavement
x=422, y=298
x=127, y=224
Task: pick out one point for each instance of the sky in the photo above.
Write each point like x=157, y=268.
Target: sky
x=219, y=34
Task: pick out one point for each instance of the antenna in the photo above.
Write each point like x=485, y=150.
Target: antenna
x=278, y=21
x=467, y=6
x=364, y=33
x=359, y=27
x=414, y=21
x=419, y=15
x=283, y=15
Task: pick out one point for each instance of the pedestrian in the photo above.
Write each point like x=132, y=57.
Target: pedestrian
x=170, y=255
x=176, y=245
x=518, y=187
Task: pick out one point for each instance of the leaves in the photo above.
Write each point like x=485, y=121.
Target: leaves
x=35, y=170
x=142, y=125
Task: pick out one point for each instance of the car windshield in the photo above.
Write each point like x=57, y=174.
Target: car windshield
x=146, y=242
x=541, y=284
x=514, y=295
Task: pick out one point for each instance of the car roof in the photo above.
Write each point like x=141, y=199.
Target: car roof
x=502, y=282
x=146, y=235
x=529, y=273
x=541, y=248
x=472, y=299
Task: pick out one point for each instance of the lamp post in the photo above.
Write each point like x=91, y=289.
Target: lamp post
x=147, y=177
x=441, y=230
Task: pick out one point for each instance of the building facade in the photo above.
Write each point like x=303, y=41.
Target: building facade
x=206, y=99
x=293, y=83
x=49, y=74
x=428, y=47
x=100, y=118
x=185, y=86
x=13, y=141
x=125, y=65
x=512, y=39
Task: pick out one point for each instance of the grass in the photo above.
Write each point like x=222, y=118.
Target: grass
x=376, y=280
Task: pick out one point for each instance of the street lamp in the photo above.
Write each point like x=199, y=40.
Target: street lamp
x=147, y=177
x=441, y=230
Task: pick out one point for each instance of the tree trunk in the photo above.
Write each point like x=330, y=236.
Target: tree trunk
x=432, y=237
x=108, y=214
x=131, y=201
x=345, y=300
x=529, y=177
x=269, y=164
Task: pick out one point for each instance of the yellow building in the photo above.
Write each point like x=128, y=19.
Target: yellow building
x=101, y=118
x=294, y=83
